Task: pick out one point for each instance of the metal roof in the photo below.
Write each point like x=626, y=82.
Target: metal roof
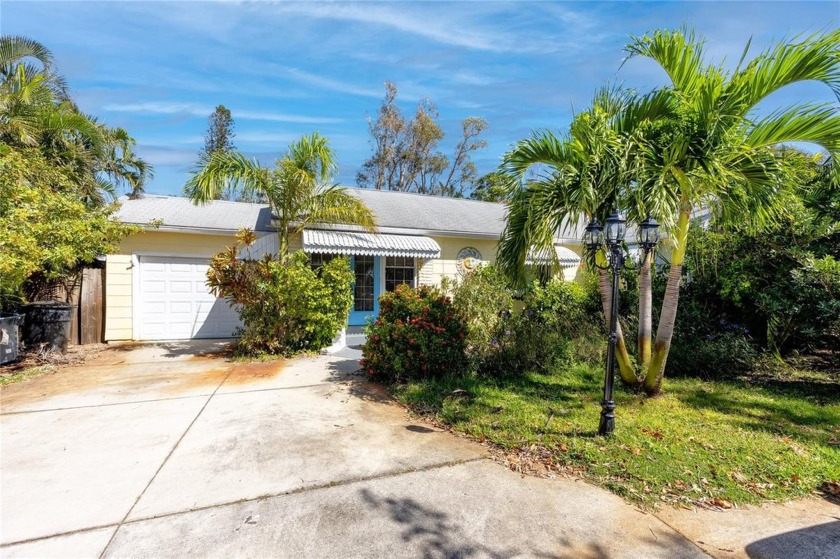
x=180, y=213
x=347, y=242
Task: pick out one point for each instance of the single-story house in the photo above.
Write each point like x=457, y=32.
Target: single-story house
x=155, y=283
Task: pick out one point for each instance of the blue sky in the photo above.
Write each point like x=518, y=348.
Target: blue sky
x=286, y=69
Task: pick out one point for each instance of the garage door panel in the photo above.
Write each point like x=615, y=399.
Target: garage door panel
x=182, y=268
x=180, y=286
x=150, y=286
x=175, y=302
x=181, y=307
x=154, y=312
x=153, y=267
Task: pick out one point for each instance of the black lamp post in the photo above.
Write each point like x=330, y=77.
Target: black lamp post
x=594, y=238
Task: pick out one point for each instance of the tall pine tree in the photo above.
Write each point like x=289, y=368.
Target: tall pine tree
x=219, y=136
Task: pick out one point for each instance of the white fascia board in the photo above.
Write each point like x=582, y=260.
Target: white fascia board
x=192, y=230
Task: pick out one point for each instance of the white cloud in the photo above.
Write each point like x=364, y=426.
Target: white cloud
x=326, y=83
x=444, y=23
x=202, y=110
x=470, y=78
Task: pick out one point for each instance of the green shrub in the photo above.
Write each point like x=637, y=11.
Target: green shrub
x=503, y=341
x=559, y=304
x=286, y=307
x=526, y=343
x=807, y=306
x=784, y=284
x=418, y=334
x=483, y=299
x=46, y=230
x=713, y=356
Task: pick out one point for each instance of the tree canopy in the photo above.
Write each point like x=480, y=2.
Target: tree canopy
x=36, y=110
x=406, y=155
x=58, y=169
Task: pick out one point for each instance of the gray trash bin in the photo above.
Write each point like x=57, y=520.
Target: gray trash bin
x=48, y=323
x=9, y=325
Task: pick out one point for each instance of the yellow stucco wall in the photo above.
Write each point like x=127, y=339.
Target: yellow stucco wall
x=119, y=319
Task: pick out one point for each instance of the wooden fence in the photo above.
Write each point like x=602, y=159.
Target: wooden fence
x=88, y=314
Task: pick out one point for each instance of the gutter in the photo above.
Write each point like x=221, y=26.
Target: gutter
x=193, y=230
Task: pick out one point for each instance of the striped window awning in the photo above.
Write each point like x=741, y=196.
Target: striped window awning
x=565, y=257
x=373, y=244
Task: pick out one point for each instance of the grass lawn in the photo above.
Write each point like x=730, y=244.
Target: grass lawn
x=714, y=443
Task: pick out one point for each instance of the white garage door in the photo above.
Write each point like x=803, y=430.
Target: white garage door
x=175, y=304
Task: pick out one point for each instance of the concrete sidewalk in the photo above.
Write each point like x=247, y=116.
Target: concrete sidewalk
x=157, y=451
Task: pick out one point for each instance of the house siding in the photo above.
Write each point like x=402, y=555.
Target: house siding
x=433, y=271
x=118, y=302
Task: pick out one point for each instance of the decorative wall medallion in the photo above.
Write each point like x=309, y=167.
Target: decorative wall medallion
x=468, y=260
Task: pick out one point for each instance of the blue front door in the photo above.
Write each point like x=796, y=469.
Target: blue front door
x=366, y=289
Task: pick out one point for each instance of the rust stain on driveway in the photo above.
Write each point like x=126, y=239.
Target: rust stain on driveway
x=112, y=379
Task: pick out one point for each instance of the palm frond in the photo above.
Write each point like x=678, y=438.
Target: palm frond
x=334, y=205
x=312, y=154
x=678, y=52
x=227, y=171
x=658, y=105
x=818, y=124
x=14, y=48
x=816, y=57
x=542, y=148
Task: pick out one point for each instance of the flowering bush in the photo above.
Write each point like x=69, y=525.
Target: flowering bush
x=418, y=334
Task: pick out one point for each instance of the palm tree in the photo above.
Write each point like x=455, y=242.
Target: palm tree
x=719, y=153
x=696, y=143
x=121, y=165
x=29, y=88
x=37, y=112
x=582, y=174
x=19, y=54
x=298, y=189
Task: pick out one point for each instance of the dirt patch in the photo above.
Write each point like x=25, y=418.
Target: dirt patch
x=180, y=382
x=32, y=358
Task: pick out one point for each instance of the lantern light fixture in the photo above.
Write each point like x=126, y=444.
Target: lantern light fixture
x=615, y=229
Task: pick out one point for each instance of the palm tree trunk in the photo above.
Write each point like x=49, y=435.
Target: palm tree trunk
x=625, y=366
x=645, y=312
x=665, y=329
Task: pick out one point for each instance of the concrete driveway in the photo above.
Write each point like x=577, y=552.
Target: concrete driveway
x=165, y=451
